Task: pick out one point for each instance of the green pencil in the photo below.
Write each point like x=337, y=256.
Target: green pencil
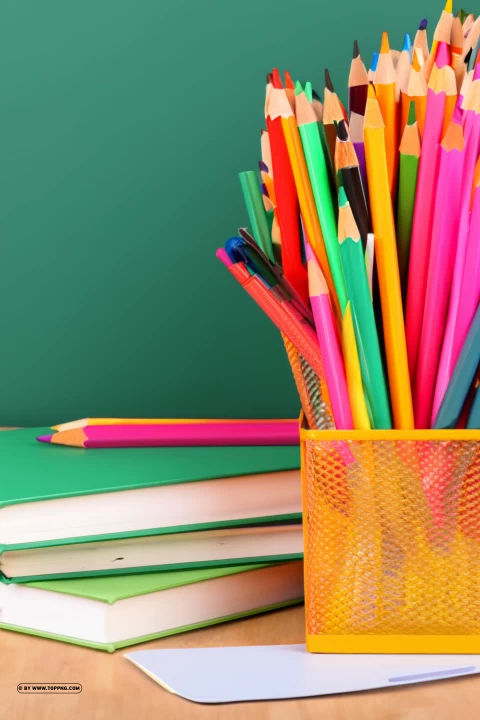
x=256, y=212
x=318, y=174
x=409, y=161
x=353, y=262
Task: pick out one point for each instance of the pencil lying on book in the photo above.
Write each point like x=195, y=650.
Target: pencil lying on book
x=90, y=422
x=179, y=435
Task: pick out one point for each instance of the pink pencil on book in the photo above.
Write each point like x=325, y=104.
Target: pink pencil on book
x=332, y=357
x=178, y=435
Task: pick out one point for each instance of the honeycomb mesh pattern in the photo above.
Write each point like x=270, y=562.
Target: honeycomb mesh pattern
x=310, y=388
x=392, y=537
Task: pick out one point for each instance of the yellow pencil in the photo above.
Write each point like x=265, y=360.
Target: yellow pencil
x=354, y=375
x=387, y=264
x=384, y=82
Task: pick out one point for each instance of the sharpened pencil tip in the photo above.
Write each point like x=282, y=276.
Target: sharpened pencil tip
x=314, y=93
x=44, y=438
x=328, y=81
x=276, y=79
x=356, y=51
x=407, y=42
x=375, y=57
x=263, y=167
x=449, y=6
x=298, y=88
x=385, y=45
x=423, y=24
x=310, y=93
x=342, y=132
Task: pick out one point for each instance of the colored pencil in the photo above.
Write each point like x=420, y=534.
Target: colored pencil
x=347, y=166
x=410, y=148
x=451, y=341
x=442, y=34
x=387, y=265
x=320, y=184
x=327, y=254
x=332, y=357
x=361, y=421
x=287, y=202
x=177, y=435
x=279, y=311
x=95, y=422
x=421, y=41
x=456, y=46
x=244, y=250
x=441, y=83
x=402, y=76
x=256, y=211
x=357, y=137
x=417, y=91
x=333, y=112
x=357, y=84
x=463, y=374
x=385, y=89
x=440, y=270
x=354, y=268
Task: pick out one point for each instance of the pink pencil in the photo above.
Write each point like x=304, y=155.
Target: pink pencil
x=332, y=357
x=440, y=271
x=451, y=342
x=470, y=294
x=186, y=435
x=442, y=82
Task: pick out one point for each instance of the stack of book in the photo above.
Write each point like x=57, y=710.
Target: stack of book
x=110, y=548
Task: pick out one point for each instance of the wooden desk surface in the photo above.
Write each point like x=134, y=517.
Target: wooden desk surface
x=113, y=689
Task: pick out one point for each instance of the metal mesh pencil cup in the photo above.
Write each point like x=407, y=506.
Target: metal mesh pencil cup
x=392, y=537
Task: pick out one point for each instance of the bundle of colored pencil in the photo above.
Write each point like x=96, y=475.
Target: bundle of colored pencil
x=365, y=230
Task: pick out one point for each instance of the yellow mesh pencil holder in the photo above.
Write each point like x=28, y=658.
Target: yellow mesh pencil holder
x=392, y=539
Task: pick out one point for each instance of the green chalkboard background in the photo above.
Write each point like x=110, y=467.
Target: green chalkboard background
x=123, y=125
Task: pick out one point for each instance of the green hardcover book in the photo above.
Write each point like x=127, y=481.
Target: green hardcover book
x=55, y=498
x=112, y=612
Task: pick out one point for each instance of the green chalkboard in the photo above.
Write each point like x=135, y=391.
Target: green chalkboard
x=123, y=125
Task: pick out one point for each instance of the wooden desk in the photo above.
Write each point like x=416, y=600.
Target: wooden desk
x=113, y=689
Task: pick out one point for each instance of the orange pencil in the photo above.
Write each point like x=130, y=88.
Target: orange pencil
x=384, y=82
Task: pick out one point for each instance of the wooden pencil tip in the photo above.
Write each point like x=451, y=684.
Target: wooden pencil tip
x=407, y=42
x=385, y=46
x=328, y=81
x=356, y=51
x=442, y=56
x=288, y=81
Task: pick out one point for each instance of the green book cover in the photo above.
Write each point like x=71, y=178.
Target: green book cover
x=33, y=471
x=111, y=589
